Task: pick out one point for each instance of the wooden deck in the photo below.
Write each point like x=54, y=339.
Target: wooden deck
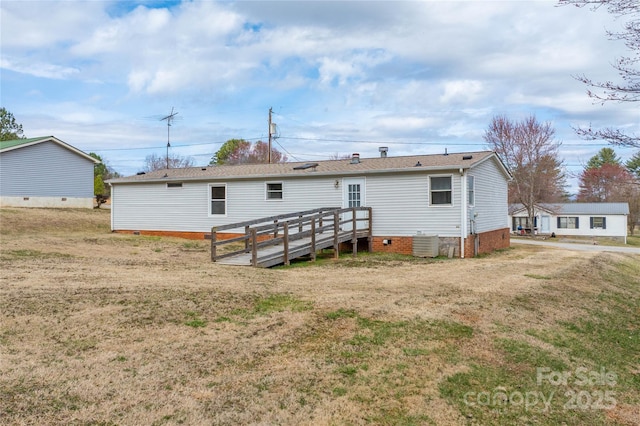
x=277, y=240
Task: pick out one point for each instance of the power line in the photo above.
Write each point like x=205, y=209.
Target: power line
x=285, y=150
x=174, y=146
x=450, y=143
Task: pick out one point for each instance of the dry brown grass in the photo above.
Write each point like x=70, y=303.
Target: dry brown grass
x=101, y=328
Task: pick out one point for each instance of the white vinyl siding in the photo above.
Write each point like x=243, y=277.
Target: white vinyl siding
x=490, y=209
x=400, y=202
x=401, y=206
x=150, y=206
x=154, y=207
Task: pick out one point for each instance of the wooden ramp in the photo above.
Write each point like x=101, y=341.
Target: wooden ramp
x=277, y=240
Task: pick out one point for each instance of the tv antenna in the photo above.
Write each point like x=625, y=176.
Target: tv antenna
x=169, y=119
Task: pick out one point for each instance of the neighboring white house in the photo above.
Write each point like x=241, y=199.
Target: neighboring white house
x=574, y=219
x=453, y=196
x=45, y=172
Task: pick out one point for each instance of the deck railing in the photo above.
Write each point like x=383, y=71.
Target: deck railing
x=322, y=224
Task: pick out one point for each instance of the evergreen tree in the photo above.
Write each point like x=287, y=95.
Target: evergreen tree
x=9, y=128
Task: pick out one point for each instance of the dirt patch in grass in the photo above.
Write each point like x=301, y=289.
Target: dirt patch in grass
x=101, y=328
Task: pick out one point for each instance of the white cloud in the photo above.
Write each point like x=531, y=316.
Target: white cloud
x=461, y=91
x=46, y=24
x=408, y=71
x=38, y=69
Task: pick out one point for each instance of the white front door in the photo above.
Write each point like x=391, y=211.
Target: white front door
x=353, y=196
x=545, y=224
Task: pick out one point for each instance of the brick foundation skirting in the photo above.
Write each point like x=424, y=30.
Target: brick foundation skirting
x=399, y=245
x=488, y=241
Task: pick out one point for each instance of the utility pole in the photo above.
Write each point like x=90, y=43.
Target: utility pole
x=269, y=154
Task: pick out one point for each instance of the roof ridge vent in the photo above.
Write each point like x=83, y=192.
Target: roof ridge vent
x=467, y=157
x=355, y=158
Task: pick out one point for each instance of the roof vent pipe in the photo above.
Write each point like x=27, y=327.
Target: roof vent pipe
x=383, y=151
x=355, y=158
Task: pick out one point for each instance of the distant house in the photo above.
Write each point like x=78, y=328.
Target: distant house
x=45, y=172
x=573, y=219
x=460, y=198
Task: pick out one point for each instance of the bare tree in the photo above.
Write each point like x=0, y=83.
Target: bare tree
x=628, y=90
x=338, y=156
x=530, y=152
x=156, y=162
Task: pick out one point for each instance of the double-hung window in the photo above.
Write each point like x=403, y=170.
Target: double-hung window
x=440, y=187
x=274, y=191
x=471, y=191
x=568, y=222
x=598, y=222
x=218, y=199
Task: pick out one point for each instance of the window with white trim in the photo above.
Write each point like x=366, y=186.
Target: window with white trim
x=274, y=191
x=218, y=199
x=568, y=222
x=471, y=192
x=440, y=188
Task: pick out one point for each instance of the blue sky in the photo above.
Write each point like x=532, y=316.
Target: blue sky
x=341, y=77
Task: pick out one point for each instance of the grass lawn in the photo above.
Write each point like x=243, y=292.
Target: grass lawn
x=109, y=329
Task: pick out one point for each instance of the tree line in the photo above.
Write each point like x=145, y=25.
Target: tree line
x=529, y=150
x=527, y=147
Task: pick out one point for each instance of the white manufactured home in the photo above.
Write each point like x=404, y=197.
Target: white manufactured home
x=592, y=220
x=460, y=198
x=45, y=172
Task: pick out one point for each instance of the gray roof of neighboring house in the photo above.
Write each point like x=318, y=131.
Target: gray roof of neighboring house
x=577, y=208
x=412, y=163
x=11, y=145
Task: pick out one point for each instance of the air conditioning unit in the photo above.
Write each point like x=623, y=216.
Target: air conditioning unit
x=426, y=245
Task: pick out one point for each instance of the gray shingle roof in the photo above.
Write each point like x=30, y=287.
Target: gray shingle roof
x=578, y=208
x=22, y=143
x=331, y=167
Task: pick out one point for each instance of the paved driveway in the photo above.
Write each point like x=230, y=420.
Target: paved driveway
x=579, y=247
